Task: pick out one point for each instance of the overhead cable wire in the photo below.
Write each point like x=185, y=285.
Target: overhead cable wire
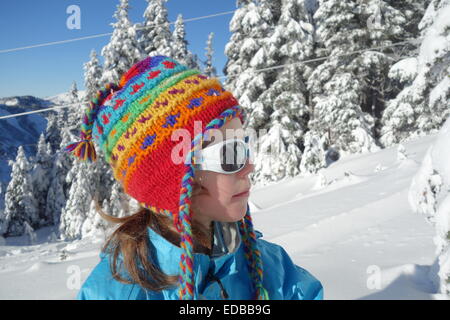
x=251, y=70
x=152, y=24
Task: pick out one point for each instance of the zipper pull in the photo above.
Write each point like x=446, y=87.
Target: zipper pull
x=223, y=292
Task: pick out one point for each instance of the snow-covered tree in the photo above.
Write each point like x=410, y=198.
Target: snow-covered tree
x=76, y=212
x=313, y=158
x=154, y=35
x=180, y=45
x=75, y=109
x=348, y=89
x=116, y=201
x=246, y=52
x=40, y=177
x=73, y=93
x=56, y=198
x=286, y=98
x=92, y=76
x=426, y=13
x=422, y=107
x=210, y=71
x=123, y=50
x=89, y=182
x=52, y=131
x=429, y=194
x=271, y=152
x=94, y=225
x=20, y=204
x=59, y=186
x=413, y=11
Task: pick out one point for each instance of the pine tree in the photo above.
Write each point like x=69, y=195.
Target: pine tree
x=92, y=76
x=422, y=106
x=123, y=50
x=414, y=11
x=59, y=185
x=154, y=35
x=56, y=198
x=73, y=93
x=76, y=214
x=52, y=131
x=94, y=225
x=286, y=99
x=40, y=177
x=20, y=204
x=180, y=45
x=313, y=157
x=116, y=201
x=246, y=52
x=347, y=90
x=75, y=110
x=210, y=71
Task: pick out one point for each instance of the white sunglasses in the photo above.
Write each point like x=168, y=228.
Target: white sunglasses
x=228, y=156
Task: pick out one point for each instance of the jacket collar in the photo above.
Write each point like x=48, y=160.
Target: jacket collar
x=222, y=261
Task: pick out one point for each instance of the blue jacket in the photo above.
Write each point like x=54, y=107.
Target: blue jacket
x=282, y=279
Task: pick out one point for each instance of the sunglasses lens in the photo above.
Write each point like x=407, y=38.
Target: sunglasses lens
x=233, y=156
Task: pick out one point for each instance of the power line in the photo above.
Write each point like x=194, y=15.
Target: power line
x=256, y=70
x=327, y=57
x=37, y=111
x=152, y=24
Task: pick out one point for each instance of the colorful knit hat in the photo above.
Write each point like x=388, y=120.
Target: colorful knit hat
x=132, y=123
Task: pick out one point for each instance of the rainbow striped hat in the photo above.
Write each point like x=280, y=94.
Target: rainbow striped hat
x=132, y=123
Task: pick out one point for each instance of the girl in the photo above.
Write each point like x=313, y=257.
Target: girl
x=193, y=237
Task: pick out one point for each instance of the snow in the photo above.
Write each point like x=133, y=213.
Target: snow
x=12, y=102
x=440, y=91
x=435, y=41
x=351, y=226
x=430, y=195
x=404, y=70
x=62, y=98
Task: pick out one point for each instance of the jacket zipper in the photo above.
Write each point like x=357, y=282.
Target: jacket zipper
x=223, y=292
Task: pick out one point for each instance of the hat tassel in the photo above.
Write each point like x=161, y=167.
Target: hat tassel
x=83, y=150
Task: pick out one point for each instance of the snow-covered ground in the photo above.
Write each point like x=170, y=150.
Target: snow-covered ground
x=351, y=226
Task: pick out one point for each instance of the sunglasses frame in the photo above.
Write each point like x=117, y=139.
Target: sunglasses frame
x=210, y=157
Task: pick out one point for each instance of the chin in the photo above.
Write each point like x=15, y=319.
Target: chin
x=237, y=213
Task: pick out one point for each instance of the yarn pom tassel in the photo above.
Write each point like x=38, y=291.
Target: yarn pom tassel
x=84, y=150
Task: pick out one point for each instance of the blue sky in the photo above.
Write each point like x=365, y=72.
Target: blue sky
x=50, y=70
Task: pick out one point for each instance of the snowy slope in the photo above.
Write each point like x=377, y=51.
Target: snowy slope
x=355, y=232
x=63, y=98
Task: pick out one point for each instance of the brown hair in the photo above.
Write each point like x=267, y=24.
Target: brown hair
x=131, y=240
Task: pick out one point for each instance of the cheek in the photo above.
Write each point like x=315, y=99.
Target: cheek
x=221, y=188
x=225, y=210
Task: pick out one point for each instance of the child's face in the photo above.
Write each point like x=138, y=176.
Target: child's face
x=215, y=200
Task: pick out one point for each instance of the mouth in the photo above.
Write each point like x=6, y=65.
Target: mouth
x=243, y=194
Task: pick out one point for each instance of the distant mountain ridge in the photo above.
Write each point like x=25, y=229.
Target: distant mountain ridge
x=24, y=102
